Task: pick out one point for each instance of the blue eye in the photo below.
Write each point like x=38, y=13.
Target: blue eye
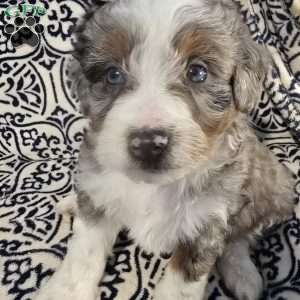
x=115, y=76
x=197, y=73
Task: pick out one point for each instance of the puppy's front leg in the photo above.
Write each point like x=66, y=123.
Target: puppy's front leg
x=80, y=272
x=186, y=276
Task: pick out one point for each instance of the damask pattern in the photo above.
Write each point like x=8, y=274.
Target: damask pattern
x=41, y=131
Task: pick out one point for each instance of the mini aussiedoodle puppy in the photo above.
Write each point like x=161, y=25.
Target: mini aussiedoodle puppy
x=169, y=154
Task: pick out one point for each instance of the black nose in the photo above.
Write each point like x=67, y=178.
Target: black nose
x=148, y=146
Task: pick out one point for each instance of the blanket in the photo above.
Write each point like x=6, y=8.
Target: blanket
x=41, y=130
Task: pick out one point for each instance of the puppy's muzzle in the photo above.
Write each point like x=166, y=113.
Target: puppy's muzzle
x=149, y=147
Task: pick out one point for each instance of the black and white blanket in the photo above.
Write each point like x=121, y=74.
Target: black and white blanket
x=41, y=131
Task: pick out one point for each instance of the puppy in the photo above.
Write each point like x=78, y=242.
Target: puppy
x=169, y=154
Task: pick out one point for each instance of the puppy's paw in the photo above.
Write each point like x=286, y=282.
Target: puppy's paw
x=174, y=287
x=246, y=288
x=68, y=205
x=48, y=294
x=64, y=295
x=243, y=280
x=65, y=292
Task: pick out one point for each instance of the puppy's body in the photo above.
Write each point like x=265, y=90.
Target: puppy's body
x=169, y=154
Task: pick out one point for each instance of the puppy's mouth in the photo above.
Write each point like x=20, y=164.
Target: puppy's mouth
x=155, y=166
x=159, y=176
x=151, y=176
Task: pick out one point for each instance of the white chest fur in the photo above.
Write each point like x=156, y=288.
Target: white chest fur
x=158, y=217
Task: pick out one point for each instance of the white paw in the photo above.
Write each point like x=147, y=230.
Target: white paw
x=173, y=287
x=68, y=205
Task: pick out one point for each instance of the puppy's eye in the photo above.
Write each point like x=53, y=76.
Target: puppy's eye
x=197, y=73
x=115, y=76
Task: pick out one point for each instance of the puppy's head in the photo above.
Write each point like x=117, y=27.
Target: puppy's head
x=163, y=80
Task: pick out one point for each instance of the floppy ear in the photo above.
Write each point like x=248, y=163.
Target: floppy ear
x=253, y=60
x=249, y=75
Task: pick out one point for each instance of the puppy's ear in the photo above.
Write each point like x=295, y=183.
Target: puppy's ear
x=249, y=75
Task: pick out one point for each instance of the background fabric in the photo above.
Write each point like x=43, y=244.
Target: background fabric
x=41, y=131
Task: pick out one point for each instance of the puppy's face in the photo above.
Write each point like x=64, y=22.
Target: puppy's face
x=163, y=81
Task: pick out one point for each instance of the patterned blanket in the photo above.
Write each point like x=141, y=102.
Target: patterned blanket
x=41, y=131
